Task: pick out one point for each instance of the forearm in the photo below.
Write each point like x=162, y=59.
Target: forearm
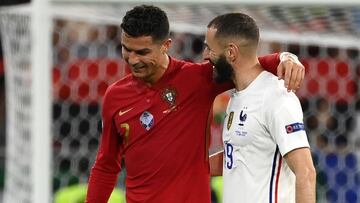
x=270, y=62
x=100, y=186
x=216, y=164
x=305, y=187
x=300, y=162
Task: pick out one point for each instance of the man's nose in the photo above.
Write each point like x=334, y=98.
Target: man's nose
x=133, y=58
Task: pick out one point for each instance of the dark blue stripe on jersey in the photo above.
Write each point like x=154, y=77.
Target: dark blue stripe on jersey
x=273, y=174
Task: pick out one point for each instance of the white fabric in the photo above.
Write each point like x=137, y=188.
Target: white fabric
x=250, y=143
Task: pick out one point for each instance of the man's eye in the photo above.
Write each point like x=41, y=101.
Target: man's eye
x=142, y=53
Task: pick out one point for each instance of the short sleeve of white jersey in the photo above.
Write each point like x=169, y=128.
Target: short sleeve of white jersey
x=285, y=122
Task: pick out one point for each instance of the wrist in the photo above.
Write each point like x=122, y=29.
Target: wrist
x=288, y=56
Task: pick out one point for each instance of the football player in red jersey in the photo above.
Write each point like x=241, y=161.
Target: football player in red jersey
x=157, y=118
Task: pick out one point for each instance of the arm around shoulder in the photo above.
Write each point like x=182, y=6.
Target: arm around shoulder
x=270, y=62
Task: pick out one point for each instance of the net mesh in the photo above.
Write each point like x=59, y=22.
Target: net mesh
x=87, y=59
x=17, y=42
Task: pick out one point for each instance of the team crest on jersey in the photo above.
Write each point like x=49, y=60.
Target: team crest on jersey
x=147, y=120
x=230, y=119
x=242, y=117
x=169, y=95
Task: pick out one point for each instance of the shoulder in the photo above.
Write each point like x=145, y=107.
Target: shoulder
x=121, y=85
x=188, y=64
x=275, y=93
x=192, y=71
x=118, y=92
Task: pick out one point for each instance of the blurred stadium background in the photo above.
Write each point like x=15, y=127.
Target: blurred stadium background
x=86, y=59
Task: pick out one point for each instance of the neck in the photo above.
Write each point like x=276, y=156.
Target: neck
x=161, y=69
x=245, y=72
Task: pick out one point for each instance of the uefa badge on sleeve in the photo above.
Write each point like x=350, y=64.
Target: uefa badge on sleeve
x=147, y=120
x=294, y=127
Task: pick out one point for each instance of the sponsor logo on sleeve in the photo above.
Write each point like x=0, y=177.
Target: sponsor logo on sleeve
x=294, y=127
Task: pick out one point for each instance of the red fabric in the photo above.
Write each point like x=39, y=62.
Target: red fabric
x=270, y=62
x=169, y=161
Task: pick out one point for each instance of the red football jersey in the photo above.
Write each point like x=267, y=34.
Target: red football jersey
x=161, y=131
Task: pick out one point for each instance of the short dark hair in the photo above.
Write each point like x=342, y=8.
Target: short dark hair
x=235, y=25
x=146, y=20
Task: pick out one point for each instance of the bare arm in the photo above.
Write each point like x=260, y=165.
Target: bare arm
x=300, y=162
x=216, y=164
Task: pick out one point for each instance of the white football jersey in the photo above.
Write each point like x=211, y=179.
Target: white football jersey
x=263, y=122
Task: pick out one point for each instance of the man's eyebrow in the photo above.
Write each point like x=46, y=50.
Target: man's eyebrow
x=139, y=50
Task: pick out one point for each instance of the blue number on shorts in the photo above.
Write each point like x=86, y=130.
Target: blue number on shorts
x=229, y=156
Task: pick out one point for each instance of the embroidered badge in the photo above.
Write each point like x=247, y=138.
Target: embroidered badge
x=294, y=127
x=230, y=119
x=242, y=118
x=147, y=120
x=169, y=95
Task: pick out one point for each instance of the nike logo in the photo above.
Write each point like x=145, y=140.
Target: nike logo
x=124, y=112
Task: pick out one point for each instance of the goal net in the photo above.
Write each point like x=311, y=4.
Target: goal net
x=60, y=57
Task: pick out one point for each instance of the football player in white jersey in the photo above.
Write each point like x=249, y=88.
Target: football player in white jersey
x=266, y=154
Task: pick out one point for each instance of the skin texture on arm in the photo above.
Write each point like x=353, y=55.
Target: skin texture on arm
x=300, y=162
x=291, y=70
x=216, y=164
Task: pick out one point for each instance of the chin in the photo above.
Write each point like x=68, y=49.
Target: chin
x=138, y=75
x=142, y=76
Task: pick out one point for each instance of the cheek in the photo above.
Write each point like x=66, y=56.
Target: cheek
x=125, y=56
x=149, y=60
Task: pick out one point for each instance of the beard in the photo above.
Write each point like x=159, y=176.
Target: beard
x=223, y=71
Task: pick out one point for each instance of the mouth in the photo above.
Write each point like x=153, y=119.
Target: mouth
x=138, y=69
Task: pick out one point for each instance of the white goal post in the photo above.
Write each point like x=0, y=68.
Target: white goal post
x=26, y=37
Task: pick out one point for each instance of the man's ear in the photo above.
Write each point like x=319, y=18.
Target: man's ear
x=232, y=52
x=166, y=46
